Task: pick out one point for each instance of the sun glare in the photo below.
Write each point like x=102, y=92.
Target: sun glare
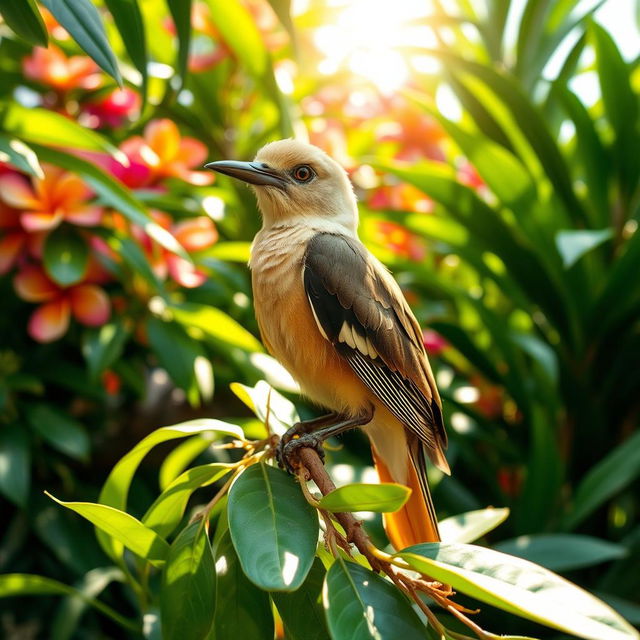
x=367, y=38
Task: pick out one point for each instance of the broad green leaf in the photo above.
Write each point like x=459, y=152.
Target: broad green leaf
x=630, y=611
x=122, y=527
x=102, y=347
x=519, y=587
x=268, y=405
x=242, y=610
x=238, y=30
x=562, y=551
x=360, y=605
x=24, y=19
x=282, y=8
x=573, y=244
x=92, y=584
x=116, y=489
x=26, y=584
x=273, y=528
x=612, y=474
x=17, y=154
x=621, y=107
x=181, y=356
x=181, y=456
x=112, y=193
x=301, y=610
x=128, y=18
x=83, y=22
x=181, y=14
x=42, y=126
x=65, y=256
x=188, y=585
x=59, y=429
x=15, y=463
x=217, y=325
x=231, y=251
x=540, y=351
x=468, y=527
x=164, y=515
x=382, y=498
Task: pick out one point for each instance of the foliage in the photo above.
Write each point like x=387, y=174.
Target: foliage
x=506, y=204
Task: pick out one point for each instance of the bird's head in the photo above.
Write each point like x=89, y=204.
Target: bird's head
x=292, y=180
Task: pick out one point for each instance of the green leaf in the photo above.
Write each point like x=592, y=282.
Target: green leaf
x=360, y=605
x=273, y=528
x=519, y=587
x=621, y=107
x=612, y=474
x=19, y=155
x=65, y=256
x=301, y=610
x=25, y=584
x=181, y=356
x=59, y=429
x=122, y=527
x=381, y=498
x=238, y=30
x=188, y=585
x=268, y=405
x=82, y=20
x=472, y=525
x=116, y=489
x=112, y=193
x=282, y=8
x=575, y=243
x=23, y=18
x=562, y=551
x=242, y=610
x=42, y=126
x=181, y=456
x=231, y=251
x=217, y=325
x=102, y=347
x=181, y=14
x=128, y=18
x=15, y=463
x=164, y=515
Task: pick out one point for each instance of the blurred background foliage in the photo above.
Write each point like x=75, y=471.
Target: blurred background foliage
x=494, y=148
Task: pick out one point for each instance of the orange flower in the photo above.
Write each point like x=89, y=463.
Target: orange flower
x=53, y=68
x=87, y=303
x=399, y=240
x=400, y=197
x=14, y=239
x=45, y=202
x=167, y=154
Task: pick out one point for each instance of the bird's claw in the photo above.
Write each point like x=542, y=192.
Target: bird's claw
x=287, y=450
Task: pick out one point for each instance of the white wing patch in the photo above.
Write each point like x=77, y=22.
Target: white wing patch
x=350, y=336
x=315, y=317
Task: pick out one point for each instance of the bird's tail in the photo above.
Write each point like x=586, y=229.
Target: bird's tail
x=416, y=521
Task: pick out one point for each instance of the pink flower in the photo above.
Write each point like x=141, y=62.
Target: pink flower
x=14, y=240
x=45, y=202
x=165, y=153
x=113, y=110
x=53, y=68
x=87, y=303
x=433, y=342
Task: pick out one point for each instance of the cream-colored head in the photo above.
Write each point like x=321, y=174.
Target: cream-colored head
x=294, y=180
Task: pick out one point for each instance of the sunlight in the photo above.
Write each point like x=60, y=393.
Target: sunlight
x=367, y=37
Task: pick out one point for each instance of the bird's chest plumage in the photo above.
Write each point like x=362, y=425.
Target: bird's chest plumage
x=288, y=328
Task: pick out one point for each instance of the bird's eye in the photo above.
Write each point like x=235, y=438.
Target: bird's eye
x=303, y=173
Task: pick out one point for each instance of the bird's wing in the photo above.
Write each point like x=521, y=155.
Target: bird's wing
x=360, y=309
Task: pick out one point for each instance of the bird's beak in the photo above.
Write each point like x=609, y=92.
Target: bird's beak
x=252, y=172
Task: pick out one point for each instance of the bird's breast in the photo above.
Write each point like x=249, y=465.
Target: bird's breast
x=288, y=328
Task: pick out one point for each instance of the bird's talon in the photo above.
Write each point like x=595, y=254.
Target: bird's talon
x=287, y=455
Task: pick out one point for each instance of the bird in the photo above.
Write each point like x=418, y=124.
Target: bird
x=334, y=316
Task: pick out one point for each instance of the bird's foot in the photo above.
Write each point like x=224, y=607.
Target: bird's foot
x=288, y=448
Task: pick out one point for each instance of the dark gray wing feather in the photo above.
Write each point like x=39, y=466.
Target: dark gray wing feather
x=346, y=286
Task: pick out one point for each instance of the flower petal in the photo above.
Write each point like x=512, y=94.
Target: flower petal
x=90, y=304
x=16, y=191
x=49, y=321
x=192, y=152
x=40, y=220
x=32, y=285
x=10, y=247
x=69, y=190
x=184, y=272
x=164, y=138
x=88, y=215
x=196, y=234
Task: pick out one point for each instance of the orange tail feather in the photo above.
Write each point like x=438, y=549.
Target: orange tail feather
x=413, y=523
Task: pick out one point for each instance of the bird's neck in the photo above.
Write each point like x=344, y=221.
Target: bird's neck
x=310, y=225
